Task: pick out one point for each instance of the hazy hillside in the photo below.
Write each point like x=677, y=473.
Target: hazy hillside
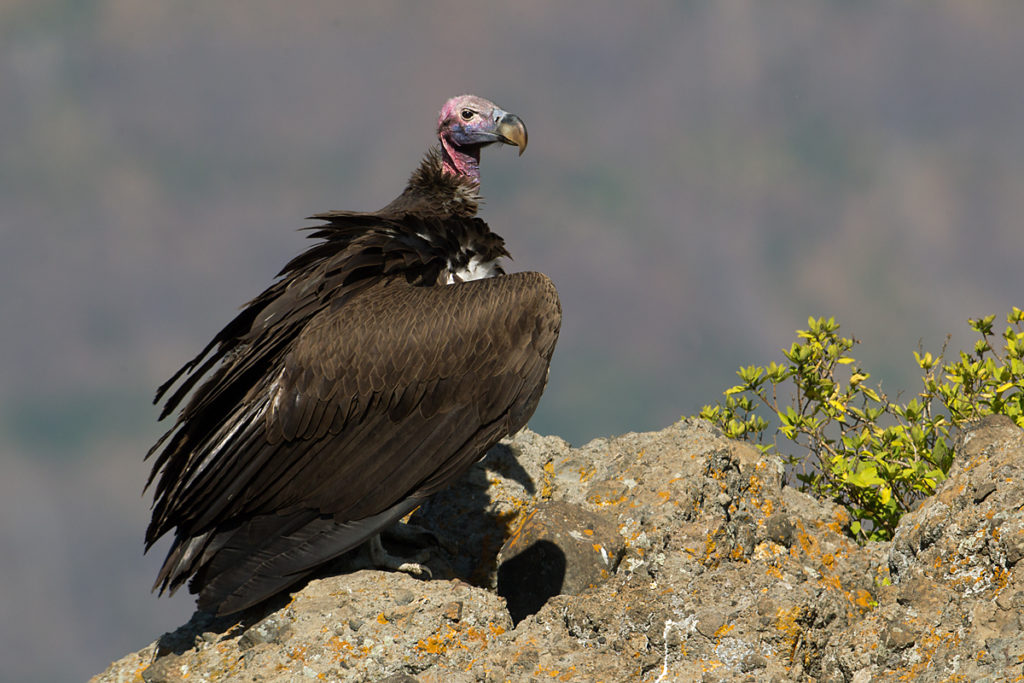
x=700, y=179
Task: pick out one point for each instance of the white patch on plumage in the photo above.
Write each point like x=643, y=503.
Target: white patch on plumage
x=275, y=393
x=252, y=414
x=476, y=269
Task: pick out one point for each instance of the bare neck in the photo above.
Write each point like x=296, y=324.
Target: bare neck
x=460, y=161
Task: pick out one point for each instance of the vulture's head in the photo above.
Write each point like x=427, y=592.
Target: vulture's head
x=467, y=124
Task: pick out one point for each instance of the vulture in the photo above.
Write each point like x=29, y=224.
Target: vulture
x=381, y=363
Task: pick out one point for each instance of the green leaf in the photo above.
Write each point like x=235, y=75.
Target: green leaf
x=848, y=442
x=885, y=495
x=982, y=325
x=865, y=476
x=738, y=389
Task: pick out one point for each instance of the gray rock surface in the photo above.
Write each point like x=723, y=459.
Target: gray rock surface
x=667, y=556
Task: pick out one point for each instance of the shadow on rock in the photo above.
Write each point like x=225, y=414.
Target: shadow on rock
x=528, y=580
x=256, y=624
x=470, y=524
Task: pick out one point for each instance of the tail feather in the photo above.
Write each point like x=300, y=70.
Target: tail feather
x=241, y=567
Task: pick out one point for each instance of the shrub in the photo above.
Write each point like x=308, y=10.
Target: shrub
x=874, y=456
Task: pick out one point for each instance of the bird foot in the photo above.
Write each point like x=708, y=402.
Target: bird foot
x=415, y=535
x=385, y=560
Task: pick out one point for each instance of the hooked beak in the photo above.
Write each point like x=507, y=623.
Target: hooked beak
x=512, y=131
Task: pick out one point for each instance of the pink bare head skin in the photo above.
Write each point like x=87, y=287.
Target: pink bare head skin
x=468, y=123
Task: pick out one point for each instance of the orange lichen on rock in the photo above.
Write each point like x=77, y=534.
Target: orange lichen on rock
x=557, y=674
x=786, y=622
x=723, y=629
x=437, y=643
x=442, y=641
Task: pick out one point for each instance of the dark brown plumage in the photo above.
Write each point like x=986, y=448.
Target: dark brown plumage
x=370, y=375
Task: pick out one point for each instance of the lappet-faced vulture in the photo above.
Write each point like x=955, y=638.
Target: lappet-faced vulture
x=382, y=362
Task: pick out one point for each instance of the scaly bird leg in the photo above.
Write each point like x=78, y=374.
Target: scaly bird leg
x=385, y=560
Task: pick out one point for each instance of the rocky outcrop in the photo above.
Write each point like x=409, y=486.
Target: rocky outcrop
x=672, y=555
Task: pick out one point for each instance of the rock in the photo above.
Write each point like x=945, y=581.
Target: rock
x=712, y=570
x=955, y=611
x=558, y=549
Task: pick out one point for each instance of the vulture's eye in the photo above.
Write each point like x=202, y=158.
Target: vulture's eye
x=467, y=114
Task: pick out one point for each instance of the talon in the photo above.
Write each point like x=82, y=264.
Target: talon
x=385, y=560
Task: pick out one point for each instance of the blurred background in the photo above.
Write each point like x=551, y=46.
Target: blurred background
x=701, y=178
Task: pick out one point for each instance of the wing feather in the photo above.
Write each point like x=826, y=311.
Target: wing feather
x=375, y=405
